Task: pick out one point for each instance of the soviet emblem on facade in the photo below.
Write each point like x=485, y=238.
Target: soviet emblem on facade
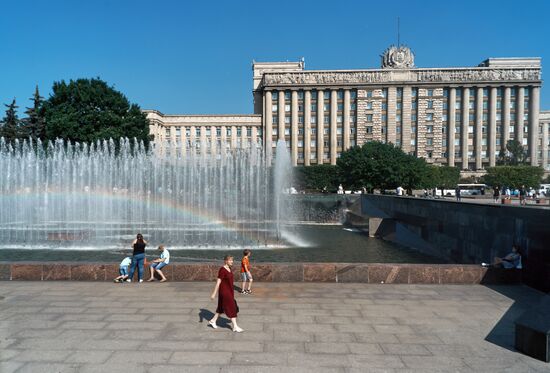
x=400, y=57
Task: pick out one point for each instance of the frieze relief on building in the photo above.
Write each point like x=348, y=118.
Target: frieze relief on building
x=435, y=75
x=400, y=57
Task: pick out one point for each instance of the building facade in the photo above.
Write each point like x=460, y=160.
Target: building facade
x=210, y=131
x=460, y=116
x=451, y=116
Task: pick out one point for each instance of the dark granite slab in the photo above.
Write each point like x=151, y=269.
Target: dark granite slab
x=319, y=272
x=5, y=272
x=420, y=274
x=24, y=272
x=194, y=272
x=89, y=272
x=288, y=273
x=460, y=274
x=352, y=273
x=388, y=274
x=56, y=272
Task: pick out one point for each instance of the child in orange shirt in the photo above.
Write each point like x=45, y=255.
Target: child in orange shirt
x=245, y=272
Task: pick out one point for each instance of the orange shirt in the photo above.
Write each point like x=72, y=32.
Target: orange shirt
x=243, y=263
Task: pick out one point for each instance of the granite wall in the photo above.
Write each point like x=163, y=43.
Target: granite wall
x=469, y=233
x=275, y=272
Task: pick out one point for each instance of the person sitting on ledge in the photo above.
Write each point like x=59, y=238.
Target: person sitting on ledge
x=510, y=261
x=159, y=263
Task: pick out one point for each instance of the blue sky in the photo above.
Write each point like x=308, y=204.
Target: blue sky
x=195, y=57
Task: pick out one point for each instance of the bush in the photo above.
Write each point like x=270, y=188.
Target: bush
x=514, y=176
x=316, y=178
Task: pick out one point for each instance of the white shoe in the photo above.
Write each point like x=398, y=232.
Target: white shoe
x=213, y=324
x=128, y=280
x=237, y=330
x=485, y=264
x=140, y=280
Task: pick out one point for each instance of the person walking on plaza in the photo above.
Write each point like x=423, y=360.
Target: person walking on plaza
x=496, y=194
x=522, y=195
x=160, y=263
x=399, y=191
x=226, y=296
x=245, y=272
x=138, y=258
x=457, y=192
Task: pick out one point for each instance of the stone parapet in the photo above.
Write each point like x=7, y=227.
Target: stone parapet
x=373, y=273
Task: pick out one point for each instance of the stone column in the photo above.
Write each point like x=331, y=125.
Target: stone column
x=281, y=114
x=505, y=135
x=234, y=137
x=307, y=126
x=545, y=145
x=520, y=102
x=333, y=125
x=213, y=139
x=478, y=128
x=345, y=125
x=224, y=138
x=465, y=125
x=254, y=137
x=391, y=112
x=294, y=129
x=193, y=136
x=183, y=139
x=406, y=112
x=320, y=126
x=268, y=120
x=451, y=129
x=534, y=105
x=492, y=126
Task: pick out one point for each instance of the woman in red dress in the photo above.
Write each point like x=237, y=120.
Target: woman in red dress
x=226, y=298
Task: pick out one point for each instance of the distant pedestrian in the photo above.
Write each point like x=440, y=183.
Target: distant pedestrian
x=399, y=191
x=457, y=193
x=226, y=296
x=508, y=193
x=245, y=272
x=138, y=258
x=496, y=194
x=340, y=189
x=522, y=195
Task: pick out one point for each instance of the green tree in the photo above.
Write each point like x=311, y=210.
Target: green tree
x=35, y=124
x=10, y=124
x=514, y=176
x=87, y=110
x=316, y=177
x=514, y=155
x=376, y=165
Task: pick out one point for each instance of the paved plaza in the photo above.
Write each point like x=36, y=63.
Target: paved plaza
x=295, y=327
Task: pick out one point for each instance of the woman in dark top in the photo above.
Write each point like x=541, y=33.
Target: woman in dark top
x=138, y=258
x=226, y=298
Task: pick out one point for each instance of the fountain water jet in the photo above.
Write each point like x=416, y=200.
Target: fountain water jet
x=99, y=195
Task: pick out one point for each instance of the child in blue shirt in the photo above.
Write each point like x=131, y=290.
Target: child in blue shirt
x=123, y=269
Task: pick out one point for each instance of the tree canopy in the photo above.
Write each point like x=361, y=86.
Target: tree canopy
x=316, y=177
x=514, y=176
x=87, y=110
x=376, y=165
x=10, y=128
x=515, y=154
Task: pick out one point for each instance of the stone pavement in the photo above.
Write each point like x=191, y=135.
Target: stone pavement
x=296, y=327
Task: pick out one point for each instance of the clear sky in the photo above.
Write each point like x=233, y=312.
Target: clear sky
x=195, y=57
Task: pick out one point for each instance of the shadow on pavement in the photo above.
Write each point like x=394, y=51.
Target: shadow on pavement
x=206, y=315
x=524, y=297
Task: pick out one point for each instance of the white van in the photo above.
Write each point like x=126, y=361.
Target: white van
x=544, y=190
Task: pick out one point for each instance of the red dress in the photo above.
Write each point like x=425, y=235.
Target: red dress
x=226, y=297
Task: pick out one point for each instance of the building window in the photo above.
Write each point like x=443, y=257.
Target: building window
x=300, y=119
x=218, y=132
x=445, y=105
x=430, y=129
x=413, y=117
x=197, y=132
x=369, y=105
x=249, y=132
x=471, y=105
x=314, y=95
x=398, y=118
x=429, y=141
x=340, y=94
x=313, y=143
x=275, y=95
x=430, y=104
x=384, y=106
x=413, y=105
x=398, y=106
x=275, y=131
x=326, y=119
x=313, y=120
x=273, y=108
x=384, y=92
x=499, y=104
x=300, y=143
x=352, y=119
x=369, y=117
x=239, y=131
x=188, y=132
x=413, y=129
x=313, y=131
x=353, y=94
x=287, y=95
x=429, y=116
x=300, y=95
x=384, y=118
x=353, y=106
x=445, y=93
x=326, y=107
x=413, y=141
x=287, y=108
x=287, y=131
x=340, y=107
x=352, y=130
x=369, y=93
x=369, y=129
x=444, y=117
x=313, y=107
x=228, y=131
x=326, y=95
x=287, y=120
x=414, y=92
x=339, y=119
x=430, y=92
x=485, y=104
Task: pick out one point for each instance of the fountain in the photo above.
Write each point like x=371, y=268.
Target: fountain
x=98, y=195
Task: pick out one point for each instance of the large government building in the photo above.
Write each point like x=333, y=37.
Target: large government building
x=460, y=116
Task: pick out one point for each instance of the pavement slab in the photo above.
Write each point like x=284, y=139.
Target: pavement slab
x=65, y=326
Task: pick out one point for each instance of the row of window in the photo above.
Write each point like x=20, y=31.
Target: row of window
x=500, y=92
x=228, y=131
x=313, y=119
x=314, y=94
x=313, y=131
x=313, y=107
